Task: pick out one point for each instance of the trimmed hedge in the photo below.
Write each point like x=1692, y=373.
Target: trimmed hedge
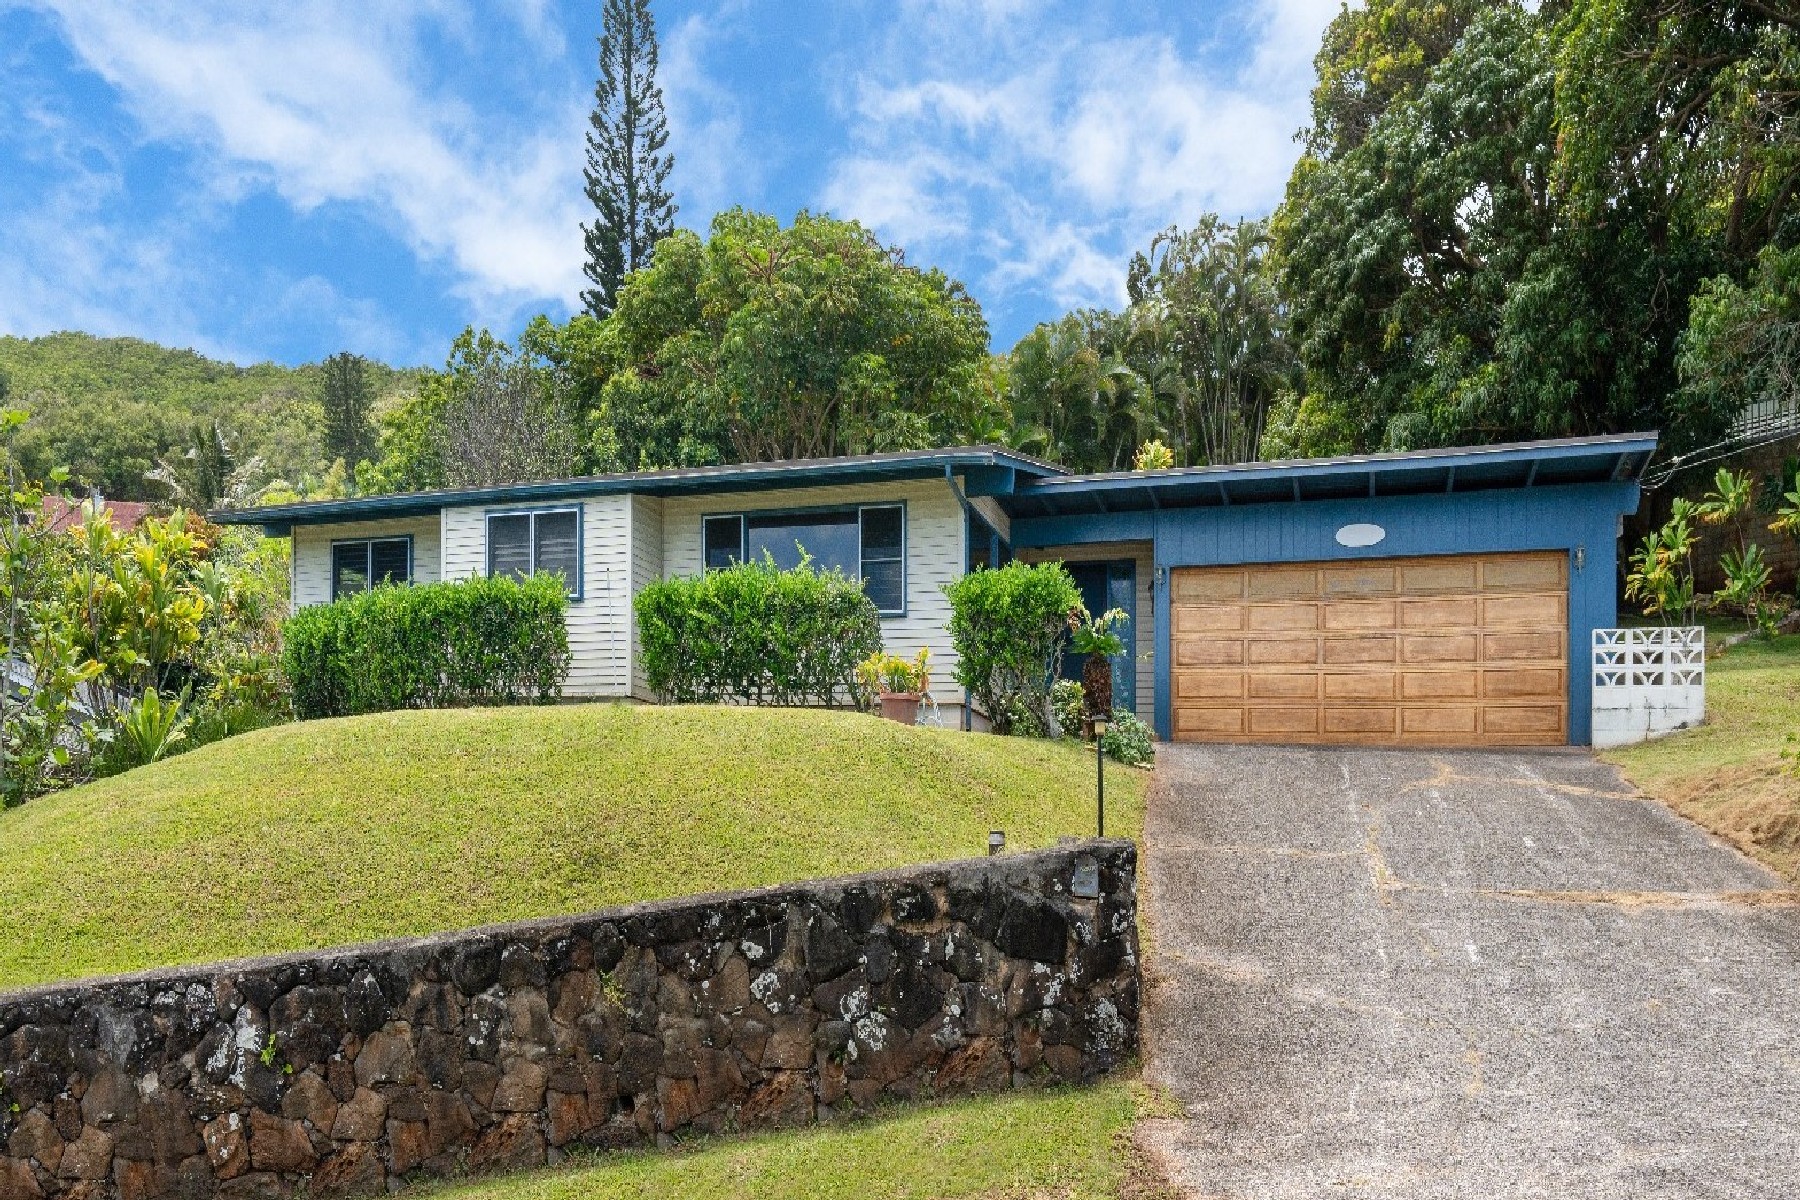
x=1009, y=626
x=435, y=645
x=756, y=634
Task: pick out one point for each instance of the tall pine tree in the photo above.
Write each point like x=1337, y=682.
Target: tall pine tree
x=348, y=398
x=627, y=165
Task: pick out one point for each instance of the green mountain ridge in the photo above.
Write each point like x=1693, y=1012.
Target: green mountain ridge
x=107, y=408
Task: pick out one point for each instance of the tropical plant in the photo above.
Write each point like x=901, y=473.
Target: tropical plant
x=1787, y=516
x=1153, y=455
x=890, y=674
x=147, y=729
x=1009, y=627
x=1209, y=332
x=1128, y=740
x=1067, y=704
x=1746, y=570
x=208, y=473
x=1661, y=574
x=1747, y=576
x=1099, y=640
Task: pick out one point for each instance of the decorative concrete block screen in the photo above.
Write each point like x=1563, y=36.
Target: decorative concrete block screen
x=1647, y=682
x=359, y=1069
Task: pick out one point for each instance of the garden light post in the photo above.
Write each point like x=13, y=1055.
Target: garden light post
x=1099, y=776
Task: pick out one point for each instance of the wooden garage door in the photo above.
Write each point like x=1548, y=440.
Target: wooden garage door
x=1467, y=650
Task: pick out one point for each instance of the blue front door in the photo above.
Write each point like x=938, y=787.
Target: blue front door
x=1107, y=585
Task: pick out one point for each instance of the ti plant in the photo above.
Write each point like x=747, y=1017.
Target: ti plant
x=892, y=675
x=1747, y=572
x=1662, y=569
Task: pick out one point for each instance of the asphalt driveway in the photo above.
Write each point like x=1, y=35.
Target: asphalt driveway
x=1413, y=974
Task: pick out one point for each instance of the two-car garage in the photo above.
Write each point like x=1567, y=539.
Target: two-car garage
x=1420, y=598
x=1455, y=650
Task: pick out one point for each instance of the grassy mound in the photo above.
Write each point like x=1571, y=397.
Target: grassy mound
x=1728, y=775
x=332, y=832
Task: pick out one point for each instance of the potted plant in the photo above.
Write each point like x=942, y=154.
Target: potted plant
x=1099, y=639
x=899, y=683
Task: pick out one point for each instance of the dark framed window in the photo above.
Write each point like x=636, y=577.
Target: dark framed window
x=867, y=543
x=724, y=541
x=539, y=542
x=369, y=562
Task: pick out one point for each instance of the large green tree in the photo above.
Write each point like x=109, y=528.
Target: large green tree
x=347, y=397
x=1505, y=241
x=768, y=342
x=627, y=155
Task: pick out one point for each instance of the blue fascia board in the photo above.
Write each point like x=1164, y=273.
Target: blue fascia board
x=994, y=464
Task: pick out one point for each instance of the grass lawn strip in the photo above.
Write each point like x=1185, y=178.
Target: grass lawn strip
x=333, y=832
x=1728, y=775
x=1067, y=1144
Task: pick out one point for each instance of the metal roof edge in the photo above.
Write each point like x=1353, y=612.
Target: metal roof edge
x=1625, y=443
x=793, y=472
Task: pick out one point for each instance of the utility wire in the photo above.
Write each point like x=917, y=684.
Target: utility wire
x=1713, y=453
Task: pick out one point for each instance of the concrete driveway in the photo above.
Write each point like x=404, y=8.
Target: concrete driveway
x=1416, y=974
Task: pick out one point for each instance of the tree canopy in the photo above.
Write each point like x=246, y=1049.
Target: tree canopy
x=766, y=342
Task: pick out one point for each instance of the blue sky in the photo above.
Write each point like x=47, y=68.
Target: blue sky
x=285, y=181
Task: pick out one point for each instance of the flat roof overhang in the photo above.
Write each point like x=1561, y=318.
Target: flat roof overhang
x=986, y=471
x=1612, y=458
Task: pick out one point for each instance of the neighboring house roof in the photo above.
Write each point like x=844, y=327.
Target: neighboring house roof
x=124, y=515
x=1027, y=486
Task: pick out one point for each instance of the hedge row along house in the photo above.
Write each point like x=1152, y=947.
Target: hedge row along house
x=1442, y=597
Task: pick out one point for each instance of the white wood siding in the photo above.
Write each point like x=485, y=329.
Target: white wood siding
x=646, y=567
x=600, y=622
x=1144, y=637
x=312, y=552
x=935, y=555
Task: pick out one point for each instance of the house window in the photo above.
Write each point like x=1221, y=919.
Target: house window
x=381, y=560
x=724, y=537
x=522, y=544
x=867, y=543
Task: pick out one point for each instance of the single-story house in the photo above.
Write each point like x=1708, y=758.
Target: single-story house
x=1440, y=597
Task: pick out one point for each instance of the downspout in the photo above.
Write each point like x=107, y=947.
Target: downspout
x=968, y=511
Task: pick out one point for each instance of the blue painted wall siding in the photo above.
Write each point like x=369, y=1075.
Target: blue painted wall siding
x=1582, y=520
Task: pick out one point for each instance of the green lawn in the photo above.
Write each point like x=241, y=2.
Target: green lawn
x=1728, y=775
x=333, y=832
x=1066, y=1145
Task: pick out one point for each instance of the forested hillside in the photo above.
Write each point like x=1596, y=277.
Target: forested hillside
x=110, y=408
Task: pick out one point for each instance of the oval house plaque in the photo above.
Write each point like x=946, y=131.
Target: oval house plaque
x=1358, y=536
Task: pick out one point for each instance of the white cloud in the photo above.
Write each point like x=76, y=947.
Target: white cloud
x=713, y=169
x=321, y=99
x=1068, y=144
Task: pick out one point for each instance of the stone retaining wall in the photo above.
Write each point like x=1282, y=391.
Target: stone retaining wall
x=344, y=1071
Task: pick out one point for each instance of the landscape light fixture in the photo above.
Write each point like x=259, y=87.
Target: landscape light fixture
x=1100, y=724
x=996, y=841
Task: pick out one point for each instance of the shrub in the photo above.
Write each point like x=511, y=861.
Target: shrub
x=1127, y=739
x=435, y=645
x=1008, y=627
x=753, y=633
x=1067, y=702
